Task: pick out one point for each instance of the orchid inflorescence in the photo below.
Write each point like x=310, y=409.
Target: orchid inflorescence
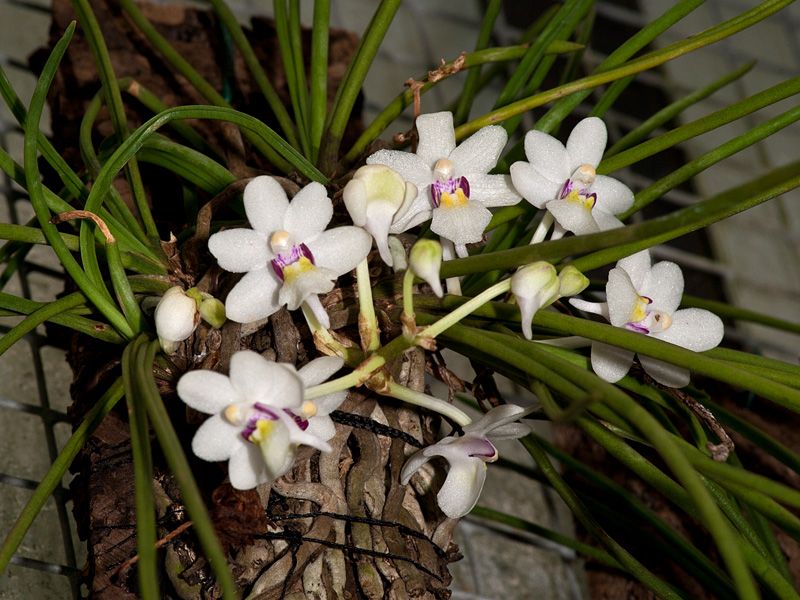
x=263, y=411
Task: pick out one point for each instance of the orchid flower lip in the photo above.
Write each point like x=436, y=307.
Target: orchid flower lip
x=449, y=192
x=283, y=260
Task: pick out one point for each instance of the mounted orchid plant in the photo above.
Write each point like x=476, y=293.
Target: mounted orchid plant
x=350, y=246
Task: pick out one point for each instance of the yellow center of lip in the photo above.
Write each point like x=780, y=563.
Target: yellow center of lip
x=586, y=201
x=639, y=311
x=458, y=198
x=263, y=428
x=292, y=271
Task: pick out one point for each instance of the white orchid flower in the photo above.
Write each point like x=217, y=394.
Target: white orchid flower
x=468, y=455
x=376, y=197
x=176, y=317
x=289, y=256
x=259, y=416
x=645, y=299
x=453, y=182
x=564, y=180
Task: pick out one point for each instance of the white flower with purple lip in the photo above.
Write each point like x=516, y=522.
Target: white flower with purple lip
x=259, y=416
x=453, y=182
x=289, y=256
x=468, y=455
x=563, y=180
x=645, y=299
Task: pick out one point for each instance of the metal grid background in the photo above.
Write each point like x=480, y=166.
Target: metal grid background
x=34, y=378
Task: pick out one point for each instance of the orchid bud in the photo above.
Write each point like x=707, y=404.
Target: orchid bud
x=373, y=197
x=571, y=282
x=212, y=311
x=425, y=260
x=534, y=286
x=176, y=318
x=399, y=259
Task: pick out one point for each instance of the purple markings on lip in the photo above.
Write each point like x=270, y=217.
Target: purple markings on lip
x=478, y=447
x=258, y=412
x=637, y=328
x=569, y=187
x=281, y=261
x=300, y=421
x=448, y=186
x=566, y=189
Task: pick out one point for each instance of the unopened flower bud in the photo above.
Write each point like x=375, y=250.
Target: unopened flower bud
x=176, y=318
x=571, y=282
x=373, y=197
x=212, y=311
x=398, y=251
x=425, y=260
x=534, y=286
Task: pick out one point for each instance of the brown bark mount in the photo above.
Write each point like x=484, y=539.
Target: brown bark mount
x=339, y=525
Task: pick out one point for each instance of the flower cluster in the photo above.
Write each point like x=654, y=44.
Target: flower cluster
x=262, y=412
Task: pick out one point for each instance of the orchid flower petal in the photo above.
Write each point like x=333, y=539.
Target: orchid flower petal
x=265, y=204
x=494, y=418
x=621, y=296
x=548, y=156
x=664, y=285
x=240, y=250
x=609, y=362
x=261, y=380
x=340, y=249
x=321, y=427
x=277, y=453
x=572, y=216
x=207, y=391
x=461, y=224
x=319, y=370
x=413, y=464
x=493, y=190
x=309, y=213
x=462, y=487
x=216, y=439
x=695, y=329
x=328, y=403
x=255, y=297
x=532, y=185
x=637, y=266
x=665, y=373
x=246, y=468
x=478, y=154
x=297, y=290
x=613, y=196
x=437, y=137
x=606, y=221
x=411, y=167
x=587, y=142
